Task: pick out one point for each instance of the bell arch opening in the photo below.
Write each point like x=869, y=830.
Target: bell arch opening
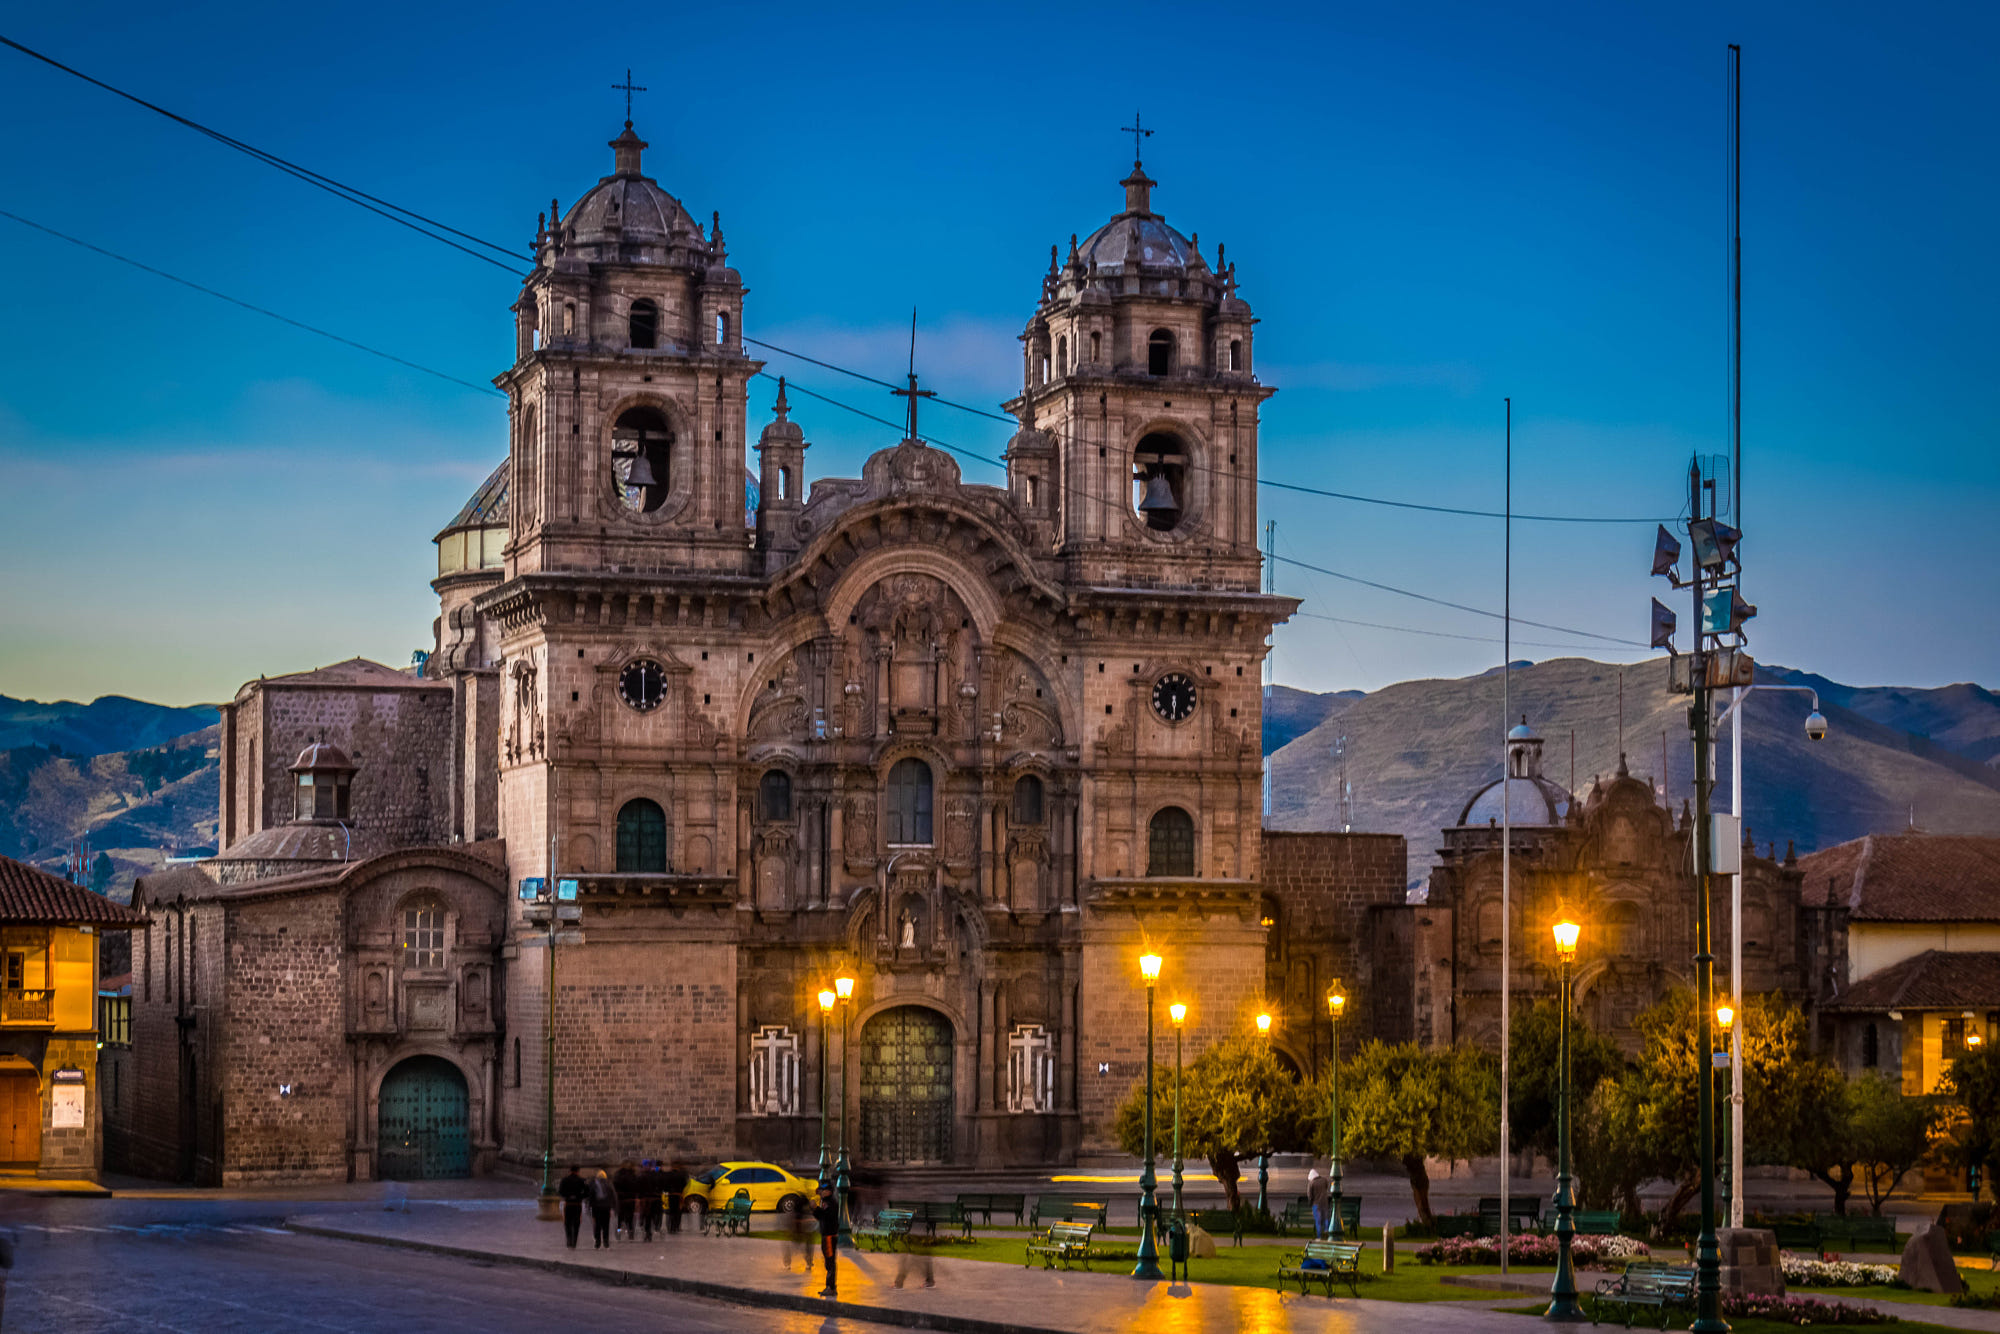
x=642, y=441
x=1159, y=481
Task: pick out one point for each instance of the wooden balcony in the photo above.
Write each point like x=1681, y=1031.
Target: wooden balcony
x=27, y=1006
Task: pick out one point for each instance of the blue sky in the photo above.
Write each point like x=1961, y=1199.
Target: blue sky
x=1430, y=207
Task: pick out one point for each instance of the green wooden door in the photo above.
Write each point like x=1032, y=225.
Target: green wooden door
x=906, y=1099
x=423, y=1132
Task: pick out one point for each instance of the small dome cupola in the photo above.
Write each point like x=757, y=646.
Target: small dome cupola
x=1524, y=751
x=323, y=778
x=625, y=150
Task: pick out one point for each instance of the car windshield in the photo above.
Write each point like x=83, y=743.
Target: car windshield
x=709, y=1177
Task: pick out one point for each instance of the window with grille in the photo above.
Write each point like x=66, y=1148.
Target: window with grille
x=642, y=837
x=1027, y=801
x=774, y=1072
x=114, y=1020
x=1954, y=1040
x=1031, y=1070
x=1170, y=849
x=910, y=803
x=423, y=937
x=776, y=795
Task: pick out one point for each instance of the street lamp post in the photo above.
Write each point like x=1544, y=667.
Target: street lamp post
x=843, y=991
x=1178, y=1012
x=1264, y=1158
x=1725, y=1019
x=1563, y=1305
x=1149, y=1206
x=826, y=999
x=1336, y=1003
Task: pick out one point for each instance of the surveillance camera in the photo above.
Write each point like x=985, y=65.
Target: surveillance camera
x=1816, y=725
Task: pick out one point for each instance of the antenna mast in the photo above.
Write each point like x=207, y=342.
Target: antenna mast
x=1270, y=586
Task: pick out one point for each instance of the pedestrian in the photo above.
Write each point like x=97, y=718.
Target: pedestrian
x=795, y=1225
x=626, y=1182
x=676, y=1181
x=652, y=1214
x=1317, y=1197
x=916, y=1256
x=827, y=1214
x=603, y=1199
x=7, y=1240
x=574, y=1190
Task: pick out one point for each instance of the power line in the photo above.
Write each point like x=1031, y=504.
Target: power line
x=1446, y=634
x=238, y=301
x=352, y=194
x=1455, y=606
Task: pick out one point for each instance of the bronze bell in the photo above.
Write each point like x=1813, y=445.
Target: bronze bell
x=1159, y=498
x=641, y=473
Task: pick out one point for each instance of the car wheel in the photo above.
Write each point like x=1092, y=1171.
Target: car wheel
x=792, y=1204
x=697, y=1209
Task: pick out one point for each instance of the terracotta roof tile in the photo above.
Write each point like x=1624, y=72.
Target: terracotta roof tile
x=1933, y=980
x=1910, y=877
x=31, y=895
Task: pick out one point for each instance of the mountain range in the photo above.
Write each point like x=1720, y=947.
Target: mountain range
x=107, y=724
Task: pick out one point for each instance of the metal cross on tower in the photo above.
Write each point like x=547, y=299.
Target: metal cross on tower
x=1137, y=129
x=913, y=393
x=628, y=88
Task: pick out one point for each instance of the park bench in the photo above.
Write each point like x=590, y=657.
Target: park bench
x=1457, y=1225
x=1522, y=1213
x=1796, y=1236
x=1296, y=1215
x=1840, y=1232
x=891, y=1226
x=732, y=1219
x=1065, y=1209
x=1215, y=1218
x=932, y=1212
x=1661, y=1288
x=1341, y=1260
x=1588, y=1222
x=986, y=1205
x=1062, y=1243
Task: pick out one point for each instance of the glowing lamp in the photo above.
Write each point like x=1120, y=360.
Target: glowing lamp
x=843, y=987
x=1566, y=933
x=826, y=999
x=1336, y=1003
x=1178, y=1011
x=1263, y=1023
x=1149, y=967
x=1725, y=1017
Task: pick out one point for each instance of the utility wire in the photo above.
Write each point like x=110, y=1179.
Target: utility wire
x=1456, y=606
x=395, y=213
x=1446, y=634
x=238, y=301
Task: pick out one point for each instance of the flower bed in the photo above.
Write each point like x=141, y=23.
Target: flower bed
x=1800, y=1310
x=1807, y=1272
x=1530, y=1250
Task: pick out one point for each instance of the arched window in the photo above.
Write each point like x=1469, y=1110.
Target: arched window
x=1170, y=843
x=1159, y=481
x=569, y=318
x=784, y=483
x=642, y=837
x=423, y=936
x=1027, y=801
x=1045, y=370
x=1062, y=355
x=1871, y=1046
x=1097, y=347
x=1624, y=937
x=910, y=802
x=644, y=328
x=722, y=328
x=642, y=444
x=1236, y=354
x=1160, y=353
x=775, y=795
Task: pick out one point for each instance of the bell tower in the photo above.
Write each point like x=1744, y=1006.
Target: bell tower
x=628, y=387
x=1137, y=363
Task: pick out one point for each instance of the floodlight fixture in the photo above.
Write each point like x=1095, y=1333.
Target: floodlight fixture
x=1664, y=625
x=566, y=890
x=1666, y=553
x=1724, y=611
x=1714, y=544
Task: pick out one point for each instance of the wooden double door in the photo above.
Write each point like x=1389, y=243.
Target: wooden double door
x=20, y=1119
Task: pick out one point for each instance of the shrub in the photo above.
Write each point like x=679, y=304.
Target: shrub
x=1530, y=1249
x=1800, y=1310
x=1810, y=1273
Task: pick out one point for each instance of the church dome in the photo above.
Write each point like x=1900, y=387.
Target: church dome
x=1146, y=238
x=629, y=209
x=1534, y=801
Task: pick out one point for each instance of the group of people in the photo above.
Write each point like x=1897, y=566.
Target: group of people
x=638, y=1195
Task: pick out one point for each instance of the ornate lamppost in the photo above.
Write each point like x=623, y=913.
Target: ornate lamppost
x=1149, y=1207
x=1563, y=1304
x=826, y=999
x=1264, y=1158
x=1336, y=1003
x=1178, y=1013
x=843, y=991
x=1725, y=1020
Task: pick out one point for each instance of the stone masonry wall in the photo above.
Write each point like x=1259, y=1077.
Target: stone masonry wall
x=1327, y=889
x=402, y=741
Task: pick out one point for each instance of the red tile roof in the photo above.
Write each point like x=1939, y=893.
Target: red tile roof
x=1933, y=980
x=31, y=895
x=1908, y=877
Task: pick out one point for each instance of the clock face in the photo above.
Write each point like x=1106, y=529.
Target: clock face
x=1173, y=697
x=643, y=684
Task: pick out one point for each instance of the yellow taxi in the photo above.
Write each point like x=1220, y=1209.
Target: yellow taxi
x=770, y=1187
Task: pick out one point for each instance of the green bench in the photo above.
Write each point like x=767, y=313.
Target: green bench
x=1215, y=1218
x=1334, y=1260
x=1587, y=1222
x=732, y=1219
x=1796, y=1236
x=932, y=1212
x=1299, y=1215
x=891, y=1227
x=986, y=1205
x=1522, y=1213
x=1840, y=1232
x=1643, y=1286
x=1063, y=1244
x=1067, y=1209
x=1456, y=1225
x=1296, y=1215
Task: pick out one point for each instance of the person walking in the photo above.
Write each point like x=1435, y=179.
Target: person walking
x=652, y=1215
x=916, y=1256
x=827, y=1214
x=626, y=1182
x=676, y=1181
x=795, y=1226
x=1316, y=1195
x=574, y=1190
x=603, y=1199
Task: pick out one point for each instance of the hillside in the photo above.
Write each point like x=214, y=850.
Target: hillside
x=1290, y=714
x=105, y=726
x=1416, y=751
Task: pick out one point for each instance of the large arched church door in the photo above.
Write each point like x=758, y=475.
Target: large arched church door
x=906, y=1099
x=422, y=1128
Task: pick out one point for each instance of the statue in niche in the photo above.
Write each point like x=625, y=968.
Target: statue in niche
x=908, y=924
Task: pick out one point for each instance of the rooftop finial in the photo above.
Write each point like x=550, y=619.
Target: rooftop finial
x=1137, y=129
x=628, y=88
x=781, y=407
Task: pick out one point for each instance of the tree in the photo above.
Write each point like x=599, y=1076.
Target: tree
x=1611, y=1156
x=1535, y=1077
x=1237, y=1099
x=1972, y=1082
x=1892, y=1133
x=1412, y=1103
x=101, y=871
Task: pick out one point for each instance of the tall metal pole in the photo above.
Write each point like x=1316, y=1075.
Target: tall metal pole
x=1736, y=727
x=1178, y=1212
x=842, y=1180
x=1563, y=1304
x=1333, y=1165
x=1708, y=1258
x=825, y=1162
x=549, y=1069
x=1149, y=1206
x=1506, y=832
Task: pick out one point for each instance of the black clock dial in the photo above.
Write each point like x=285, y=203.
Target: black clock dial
x=1173, y=697
x=643, y=684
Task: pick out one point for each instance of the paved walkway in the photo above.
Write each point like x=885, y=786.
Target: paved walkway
x=973, y=1296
